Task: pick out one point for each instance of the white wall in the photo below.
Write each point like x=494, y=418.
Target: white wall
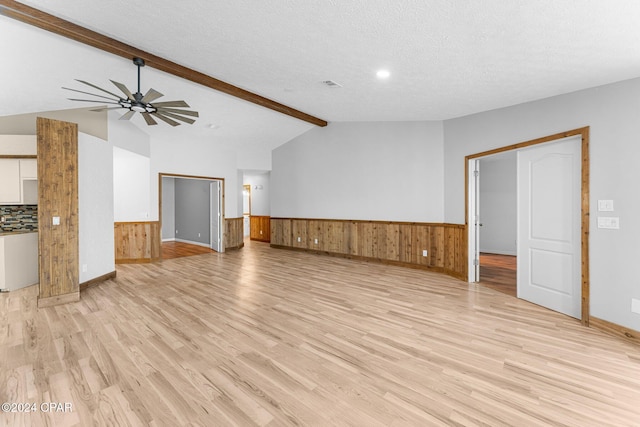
x=612, y=112
x=95, y=207
x=361, y=170
x=498, y=203
x=131, y=186
x=260, y=193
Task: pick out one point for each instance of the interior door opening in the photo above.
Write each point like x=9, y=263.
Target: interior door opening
x=544, y=247
x=191, y=214
x=495, y=221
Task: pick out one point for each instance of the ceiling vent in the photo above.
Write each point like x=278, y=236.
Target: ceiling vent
x=331, y=83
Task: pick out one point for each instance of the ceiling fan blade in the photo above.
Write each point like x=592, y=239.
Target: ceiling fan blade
x=175, y=116
x=92, y=94
x=107, y=108
x=149, y=119
x=99, y=88
x=127, y=115
x=171, y=104
x=166, y=119
x=151, y=95
x=175, y=110
x=92, y=100
x=124, y=90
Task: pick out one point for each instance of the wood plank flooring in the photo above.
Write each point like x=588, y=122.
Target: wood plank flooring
x=269, y=337
x=172, y=250
x=499, y=272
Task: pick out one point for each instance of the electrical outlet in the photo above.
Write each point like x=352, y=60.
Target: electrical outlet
x=198, y=234
x=299, y=239
x=176, y=231
x=635, y=305
x=424, y=252
x=3, y=219
x=260, y=231
x=315, y=241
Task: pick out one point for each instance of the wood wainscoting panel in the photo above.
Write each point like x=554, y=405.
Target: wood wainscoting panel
x=58, y=211
x=400, y=243
x=260, y=228
x=281, y=233
x=299, y=233
x=137, y=242
x=234, y=233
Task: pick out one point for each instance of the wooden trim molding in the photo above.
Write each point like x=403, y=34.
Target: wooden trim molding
x=48, y=22
x=387, y=242
x=18, y=156
x=97, y=280
x=584, y=134
x=59, y=299
x=612, y=328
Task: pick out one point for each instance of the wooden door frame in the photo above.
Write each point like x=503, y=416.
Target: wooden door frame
x=584, y=197
x=204, y=178
x=247, y=188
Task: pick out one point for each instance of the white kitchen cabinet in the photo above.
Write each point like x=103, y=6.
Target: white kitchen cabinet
x=10, y=190
x=28, y=169
x=18, y=260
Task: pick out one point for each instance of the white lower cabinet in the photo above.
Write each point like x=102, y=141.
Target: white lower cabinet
x=18, y=261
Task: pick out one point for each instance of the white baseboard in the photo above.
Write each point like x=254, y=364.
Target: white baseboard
x=206, y=245
x=173, y=239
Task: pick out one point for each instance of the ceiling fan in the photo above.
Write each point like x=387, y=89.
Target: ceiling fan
x=168, y=111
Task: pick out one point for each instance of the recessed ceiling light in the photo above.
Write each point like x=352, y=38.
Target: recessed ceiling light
x=383, y=74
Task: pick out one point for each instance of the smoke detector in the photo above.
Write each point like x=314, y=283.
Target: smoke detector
x=331, y=83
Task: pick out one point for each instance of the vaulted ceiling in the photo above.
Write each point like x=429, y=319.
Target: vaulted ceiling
x=446, y=58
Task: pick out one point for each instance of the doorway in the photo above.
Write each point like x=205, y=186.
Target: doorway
x=191, y=214
x=497, y=208
x=246, y=210
x=540, y=265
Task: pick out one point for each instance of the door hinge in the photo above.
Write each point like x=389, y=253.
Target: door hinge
x=476, y=173
x=476, y=262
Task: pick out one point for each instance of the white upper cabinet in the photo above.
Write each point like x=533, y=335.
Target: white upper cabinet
x=28, y=169
x=10, y=190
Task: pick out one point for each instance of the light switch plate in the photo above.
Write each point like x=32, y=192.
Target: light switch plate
x=610, y=222
x=55, y=220
x=605, y=205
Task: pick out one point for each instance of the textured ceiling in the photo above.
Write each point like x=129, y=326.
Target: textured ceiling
x=447, y=58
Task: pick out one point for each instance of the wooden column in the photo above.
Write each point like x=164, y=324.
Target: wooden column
x=58, y=211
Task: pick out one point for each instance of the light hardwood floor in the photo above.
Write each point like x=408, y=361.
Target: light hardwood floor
x=263, y=336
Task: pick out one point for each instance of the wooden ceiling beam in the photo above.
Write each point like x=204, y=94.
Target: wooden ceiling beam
x=45, y=21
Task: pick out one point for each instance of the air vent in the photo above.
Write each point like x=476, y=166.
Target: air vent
x=331, y=83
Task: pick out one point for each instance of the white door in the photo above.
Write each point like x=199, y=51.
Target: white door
x=549, y=225
x=215, y=196
x=476, y=219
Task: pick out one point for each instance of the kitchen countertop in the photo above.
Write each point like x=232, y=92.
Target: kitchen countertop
x=9, y=233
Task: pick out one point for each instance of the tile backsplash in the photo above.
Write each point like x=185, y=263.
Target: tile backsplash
x=18, y=217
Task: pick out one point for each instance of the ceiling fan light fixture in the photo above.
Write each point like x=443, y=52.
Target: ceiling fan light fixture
x=139, y=103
